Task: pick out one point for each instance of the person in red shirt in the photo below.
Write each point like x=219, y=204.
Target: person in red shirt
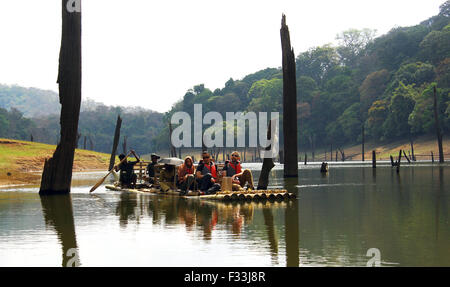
x=186, y=175
x=234, y=170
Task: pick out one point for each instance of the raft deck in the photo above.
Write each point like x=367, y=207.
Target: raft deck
x=272, y=194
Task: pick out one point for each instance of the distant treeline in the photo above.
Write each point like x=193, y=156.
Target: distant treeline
x=96, y=128
x=383, y=84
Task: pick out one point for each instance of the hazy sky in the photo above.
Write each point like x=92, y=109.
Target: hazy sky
x=149, y=53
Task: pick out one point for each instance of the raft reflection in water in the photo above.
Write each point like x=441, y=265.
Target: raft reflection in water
x=209, y=217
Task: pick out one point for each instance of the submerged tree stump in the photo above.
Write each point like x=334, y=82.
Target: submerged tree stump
x=438, y=128
x=289, y=103
x=57, y=174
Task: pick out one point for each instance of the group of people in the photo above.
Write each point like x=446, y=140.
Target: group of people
x=204, y=178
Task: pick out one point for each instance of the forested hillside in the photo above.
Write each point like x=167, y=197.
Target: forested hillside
x=383, y=84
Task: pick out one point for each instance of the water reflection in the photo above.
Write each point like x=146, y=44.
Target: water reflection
x=292, y=226
x=334, y=221
x=58, y=214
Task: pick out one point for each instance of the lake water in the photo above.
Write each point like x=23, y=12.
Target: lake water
x=334, y=221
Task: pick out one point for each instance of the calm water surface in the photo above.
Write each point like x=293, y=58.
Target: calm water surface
x=334, y=221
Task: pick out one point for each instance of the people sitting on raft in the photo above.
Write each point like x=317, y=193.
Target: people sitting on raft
x=238, y=176
x=186, y=176
x=167, y=178
x=127, y=176
x=150, y=170
x=206, y=175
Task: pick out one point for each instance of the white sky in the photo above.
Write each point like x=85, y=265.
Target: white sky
x=148, y=53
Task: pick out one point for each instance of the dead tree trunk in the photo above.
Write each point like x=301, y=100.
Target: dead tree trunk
x=268, y=164
x=84, y=146
x=289, y=103
x=413, y=157
x=115, y=143
x=124, y=145
x=78, y=139
x=57, y=174
x=399, y=160
x=438, y=128
x=374, y=159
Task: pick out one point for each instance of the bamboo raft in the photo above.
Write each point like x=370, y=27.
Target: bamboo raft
x=243, y=195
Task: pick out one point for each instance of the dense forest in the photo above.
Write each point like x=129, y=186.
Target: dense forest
x=382, y=85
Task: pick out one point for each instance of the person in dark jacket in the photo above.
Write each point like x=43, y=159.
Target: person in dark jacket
x=127, y=176
x=206, y=175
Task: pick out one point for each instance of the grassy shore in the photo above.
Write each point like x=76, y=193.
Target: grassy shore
x=423, y=147
x=21, y=162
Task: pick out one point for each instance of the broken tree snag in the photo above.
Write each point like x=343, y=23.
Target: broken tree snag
x=115, y=142
x=289, y=103
x=392, y=161
x=374, y=159
x=124, y=145
x=404, y=154
x=413, y=157
x=438, y=128
x=57, y=174
x=399, y=160
x=268, y=164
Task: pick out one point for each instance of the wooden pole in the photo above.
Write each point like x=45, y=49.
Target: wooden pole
x=289, y=103
x=438, y=128
x=374, y=159
x=363, y=151
x=112, y=159
x=57, y=174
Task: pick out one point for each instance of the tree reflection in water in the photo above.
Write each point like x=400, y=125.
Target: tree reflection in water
x=58, y=214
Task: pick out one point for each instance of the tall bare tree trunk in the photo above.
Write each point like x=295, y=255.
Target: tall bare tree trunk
x=115, y=143
x=57, y=174
x=289, y=103
x=124, y=145
x=268, y=164
x=438, y=127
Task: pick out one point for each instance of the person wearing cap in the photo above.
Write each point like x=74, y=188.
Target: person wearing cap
x=186, y=175
x=206, y=175
x=238, y=176
x=127, y=177
x=150, y=170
